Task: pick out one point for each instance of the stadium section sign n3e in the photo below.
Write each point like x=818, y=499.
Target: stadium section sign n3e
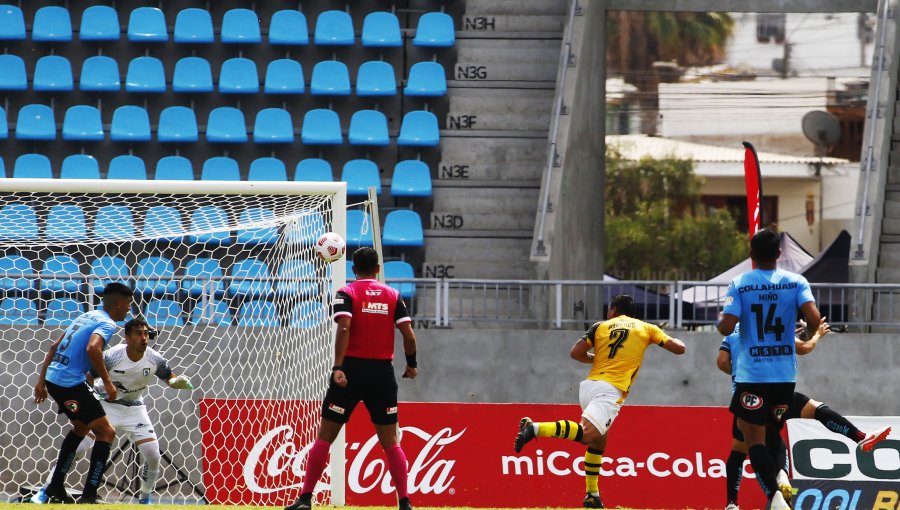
x=462, y=455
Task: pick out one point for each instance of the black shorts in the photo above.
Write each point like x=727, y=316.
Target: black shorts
x=78, y=402
x=797, y=404
x=372, y=382
x=761, y=403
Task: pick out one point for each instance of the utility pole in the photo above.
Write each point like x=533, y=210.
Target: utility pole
x=786, y=60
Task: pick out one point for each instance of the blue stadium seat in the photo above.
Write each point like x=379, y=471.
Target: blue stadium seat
x=426, y=79
x=174, y=168
x=368, y=127
x=435, y=30
x=284, y=76
x=351, y=276
x=107, y=269
x=33, y=166
x=359, y=174
x=35, y=122
x=257, y=235
x=420, y=129
x=334, y=28
x=267, y=169
x=65, y=222
x=250, y=278
x=226, y=125
x=154, y=275
x=18, y=311
x=258, y=313
x=307, y=229
x=58, y=274
x=147, y=24
x=330, y=78
x=403, y=270
x=163, y=223
x=212, y=221
x=12, y=23
x=62, y=311
x=2, y=169
x=82, y=123
x=313, y=169
x=13, y=269
x=80, y=166
x=53, y=73
x=18, y=222
x=163, y=312
x=220, y=168
x=194, y=26
x=203, y=275
x=296, y=278
x=52, y=24
x=4, y=126
x=381, y=30
x=411, y=179
x=309, y=314
x=99, y=23
x=402, y=228
x=238, y=76
x=288, y=28
x=177, y=124
x=192, y=74
x=211, y=312
x=355, y=235
x=100, y=74
x=376, y=78
x=114, y=223
x=321, y=127
x=130, y=124
x=13, y=76
x=273, y=125
x=240, y=26
x=145, y=74
x=127, y=167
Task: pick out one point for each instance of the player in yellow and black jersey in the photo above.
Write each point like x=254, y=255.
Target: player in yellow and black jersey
x=618, y=346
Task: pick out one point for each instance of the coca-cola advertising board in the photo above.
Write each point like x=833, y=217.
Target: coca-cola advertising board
x=462, y=455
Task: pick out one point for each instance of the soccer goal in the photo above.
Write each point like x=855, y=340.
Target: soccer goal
x=227, y=273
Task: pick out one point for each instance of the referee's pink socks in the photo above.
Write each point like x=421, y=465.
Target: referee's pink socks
x=315, y=465
x=397, y=465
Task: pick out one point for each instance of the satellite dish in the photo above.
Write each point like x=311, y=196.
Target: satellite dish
x=822, y=129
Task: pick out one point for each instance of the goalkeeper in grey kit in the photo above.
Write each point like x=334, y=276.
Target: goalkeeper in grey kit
x=132, y=366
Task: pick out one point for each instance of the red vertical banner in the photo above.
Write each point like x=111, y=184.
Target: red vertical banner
x=753, y=181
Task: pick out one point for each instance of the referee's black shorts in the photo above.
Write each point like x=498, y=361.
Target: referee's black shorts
x=368, y=380
x=78, y=402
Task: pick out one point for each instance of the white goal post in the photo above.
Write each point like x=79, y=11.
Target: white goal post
x=227, y=273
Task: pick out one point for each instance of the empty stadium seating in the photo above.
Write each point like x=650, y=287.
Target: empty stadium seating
x=57, y=274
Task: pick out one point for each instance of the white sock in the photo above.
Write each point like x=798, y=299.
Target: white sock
x=80, y=452
x=150, y=454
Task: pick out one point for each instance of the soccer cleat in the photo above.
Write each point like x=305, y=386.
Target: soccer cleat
x=91, y=500
x=58, y=495
x=874, y=438
x=304, y=502
x=404, y=504
x=591, y=501
x=145, y=500
x=732, y=506
x=778, y=503
x=784, y=485
x=526, y=433
x=40, y=497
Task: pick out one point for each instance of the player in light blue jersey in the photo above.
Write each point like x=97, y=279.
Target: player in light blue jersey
x=62, y=376
x=764, y=301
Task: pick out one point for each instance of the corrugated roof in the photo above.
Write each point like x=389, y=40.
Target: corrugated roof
x=639, y=146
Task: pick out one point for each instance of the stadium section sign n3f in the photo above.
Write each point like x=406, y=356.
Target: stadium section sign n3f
x=462, y=455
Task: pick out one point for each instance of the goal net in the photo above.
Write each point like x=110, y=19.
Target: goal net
x=227, y=274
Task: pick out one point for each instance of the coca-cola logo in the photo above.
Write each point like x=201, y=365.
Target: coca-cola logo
x=276, y=463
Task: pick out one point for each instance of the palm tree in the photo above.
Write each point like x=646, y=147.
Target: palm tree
x=637, y=40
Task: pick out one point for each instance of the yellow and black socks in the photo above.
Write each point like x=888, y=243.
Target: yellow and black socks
x=563, y=429
x=592, y=460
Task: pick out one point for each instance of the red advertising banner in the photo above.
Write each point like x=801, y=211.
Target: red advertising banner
x=462, y=455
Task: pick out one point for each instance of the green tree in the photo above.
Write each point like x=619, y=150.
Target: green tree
x=656, y=223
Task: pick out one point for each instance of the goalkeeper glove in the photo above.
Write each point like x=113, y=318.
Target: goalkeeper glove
x=181, y=383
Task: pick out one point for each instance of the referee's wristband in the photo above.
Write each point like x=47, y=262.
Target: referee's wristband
x=336, y=368
x=411, y=360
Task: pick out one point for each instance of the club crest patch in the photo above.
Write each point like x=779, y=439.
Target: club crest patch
x=750, y=401
x=72, y=405
x=779, y=411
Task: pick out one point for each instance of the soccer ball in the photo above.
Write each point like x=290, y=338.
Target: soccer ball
x=330, y=247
